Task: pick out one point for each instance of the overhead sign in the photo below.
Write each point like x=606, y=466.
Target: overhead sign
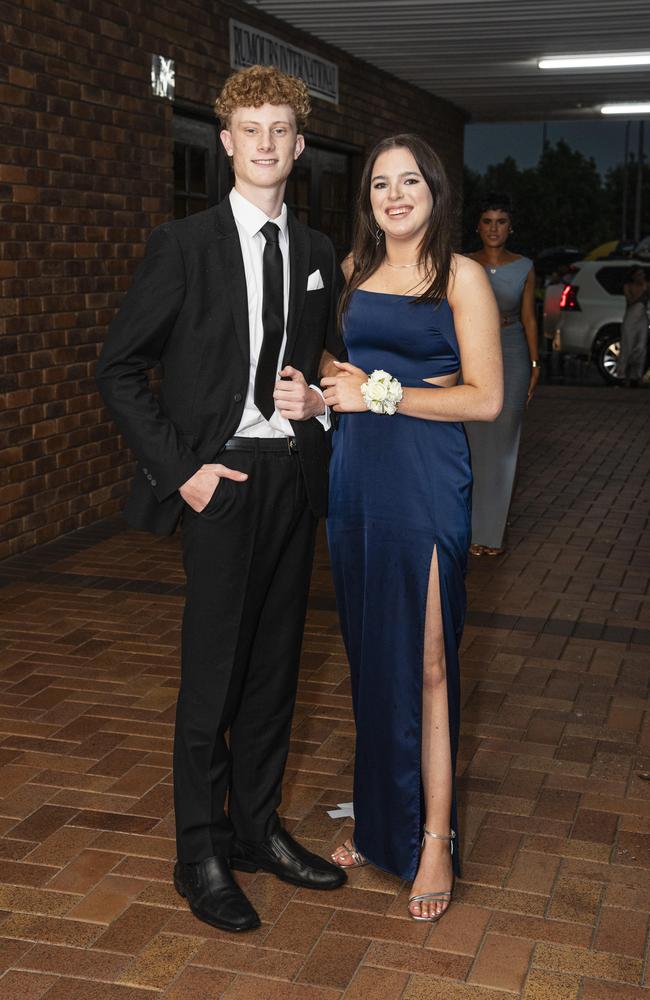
x=249, y=47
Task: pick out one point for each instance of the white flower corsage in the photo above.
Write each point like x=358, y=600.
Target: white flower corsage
x=382, y=393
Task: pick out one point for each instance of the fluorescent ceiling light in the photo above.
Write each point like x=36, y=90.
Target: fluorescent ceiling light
x=596, y=61
x=640, y=108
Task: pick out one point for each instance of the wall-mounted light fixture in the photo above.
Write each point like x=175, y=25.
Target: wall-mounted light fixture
x=163, y=77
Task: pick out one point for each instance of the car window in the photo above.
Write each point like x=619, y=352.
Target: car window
x=612, y=279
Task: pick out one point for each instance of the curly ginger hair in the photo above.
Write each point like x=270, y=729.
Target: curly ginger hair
x=258, y=85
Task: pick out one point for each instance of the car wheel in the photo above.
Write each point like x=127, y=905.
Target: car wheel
x=606, y=354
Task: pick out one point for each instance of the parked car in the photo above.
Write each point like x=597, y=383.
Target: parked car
x=612, y=249
x=583, y=312
x=550, y=260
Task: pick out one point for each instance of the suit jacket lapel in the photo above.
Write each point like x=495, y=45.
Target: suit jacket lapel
x=299, y=254
x=227, y=253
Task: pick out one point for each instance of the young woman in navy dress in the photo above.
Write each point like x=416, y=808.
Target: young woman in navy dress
x=413, y=313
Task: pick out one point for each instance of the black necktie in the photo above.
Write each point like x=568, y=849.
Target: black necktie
x=272, y=320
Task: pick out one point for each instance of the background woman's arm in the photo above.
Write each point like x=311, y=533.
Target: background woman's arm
x=529, y=322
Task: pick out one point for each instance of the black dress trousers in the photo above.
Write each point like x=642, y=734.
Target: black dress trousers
x=247, y=558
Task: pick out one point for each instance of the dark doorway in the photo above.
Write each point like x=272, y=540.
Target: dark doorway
x=200, y=170
x=318, y=191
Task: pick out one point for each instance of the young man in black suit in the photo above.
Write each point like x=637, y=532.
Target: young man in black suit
x=238, y=305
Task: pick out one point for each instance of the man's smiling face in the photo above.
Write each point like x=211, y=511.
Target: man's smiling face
x=263, y=143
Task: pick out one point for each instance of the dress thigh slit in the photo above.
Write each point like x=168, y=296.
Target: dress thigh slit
x=452, y=612
x=434, y=619
x=387, y=685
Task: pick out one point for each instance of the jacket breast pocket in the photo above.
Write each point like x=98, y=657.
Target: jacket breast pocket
x=316, y=305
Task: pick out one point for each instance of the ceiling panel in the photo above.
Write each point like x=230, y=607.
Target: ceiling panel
x=482, y=54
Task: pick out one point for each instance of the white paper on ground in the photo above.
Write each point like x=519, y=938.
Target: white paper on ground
x=344, y=809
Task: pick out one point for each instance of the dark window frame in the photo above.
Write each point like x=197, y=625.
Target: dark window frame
x=196, y=128
x=318, y=151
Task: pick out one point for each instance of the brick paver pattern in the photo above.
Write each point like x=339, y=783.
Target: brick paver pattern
x=554, y=764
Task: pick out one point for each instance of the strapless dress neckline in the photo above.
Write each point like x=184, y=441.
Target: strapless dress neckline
x=394, y=295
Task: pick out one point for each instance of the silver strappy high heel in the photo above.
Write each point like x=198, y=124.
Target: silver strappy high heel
x=434, y=897
x=358, y=860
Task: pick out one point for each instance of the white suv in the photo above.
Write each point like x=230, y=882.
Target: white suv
x=582, y=314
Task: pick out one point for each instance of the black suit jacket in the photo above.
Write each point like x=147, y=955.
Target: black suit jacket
x=187, y=310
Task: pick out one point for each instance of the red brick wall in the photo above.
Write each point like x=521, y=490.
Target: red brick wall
x=85, y=173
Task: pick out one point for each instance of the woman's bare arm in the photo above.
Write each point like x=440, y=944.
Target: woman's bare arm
x=480, y=397
x=476, y=320
x=529, y=322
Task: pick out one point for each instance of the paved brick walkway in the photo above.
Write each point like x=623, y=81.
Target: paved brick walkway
x=555, y=760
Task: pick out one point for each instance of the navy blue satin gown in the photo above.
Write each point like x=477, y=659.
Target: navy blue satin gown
x=400, y=491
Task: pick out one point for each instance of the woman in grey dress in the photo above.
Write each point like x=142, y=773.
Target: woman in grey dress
x=495, y=446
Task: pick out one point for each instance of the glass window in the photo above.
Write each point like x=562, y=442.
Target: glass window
x=196, y=165
x=319, y=193
x=612, y=279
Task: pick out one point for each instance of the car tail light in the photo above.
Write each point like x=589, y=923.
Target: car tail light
x=569, y=298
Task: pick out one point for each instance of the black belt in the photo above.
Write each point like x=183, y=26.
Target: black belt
x=281, y=445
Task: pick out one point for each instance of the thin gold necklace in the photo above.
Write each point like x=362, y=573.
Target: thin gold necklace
x=397, y=266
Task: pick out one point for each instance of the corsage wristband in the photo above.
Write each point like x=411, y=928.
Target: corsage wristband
x=382, y=393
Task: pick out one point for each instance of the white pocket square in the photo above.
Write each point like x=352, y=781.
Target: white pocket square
x=314, y=281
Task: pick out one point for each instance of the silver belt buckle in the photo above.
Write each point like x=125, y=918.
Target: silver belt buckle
x=291, y=444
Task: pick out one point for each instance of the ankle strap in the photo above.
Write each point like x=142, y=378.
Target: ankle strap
x=440, y=836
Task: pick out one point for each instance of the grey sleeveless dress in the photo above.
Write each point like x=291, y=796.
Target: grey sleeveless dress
x=494, y=446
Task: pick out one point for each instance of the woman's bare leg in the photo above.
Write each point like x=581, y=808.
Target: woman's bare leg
x=435, y=871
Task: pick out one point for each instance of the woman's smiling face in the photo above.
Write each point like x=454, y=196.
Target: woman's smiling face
x=494, y=227
x=400, y=198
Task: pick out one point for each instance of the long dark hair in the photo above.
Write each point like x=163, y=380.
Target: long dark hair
x=435, y=248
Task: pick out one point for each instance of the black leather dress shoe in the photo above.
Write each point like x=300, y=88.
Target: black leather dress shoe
x=214, y=896
x=281, y=855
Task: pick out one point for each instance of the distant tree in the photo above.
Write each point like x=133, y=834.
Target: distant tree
x=560, y=202
x=523, y=186
x=572, y=195
x=473, y=187
x=613, y=200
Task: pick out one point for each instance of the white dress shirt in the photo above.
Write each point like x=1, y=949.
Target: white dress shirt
x=249, y=220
